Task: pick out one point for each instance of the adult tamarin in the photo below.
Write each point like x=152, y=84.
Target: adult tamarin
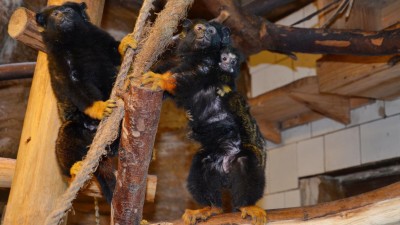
x=232, y=154
x=83, y=64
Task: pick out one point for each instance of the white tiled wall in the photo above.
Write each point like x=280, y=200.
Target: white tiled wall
x=324, y=145
x=284, y=175
x=380, y=139
x=342, y=149
x=310, y=157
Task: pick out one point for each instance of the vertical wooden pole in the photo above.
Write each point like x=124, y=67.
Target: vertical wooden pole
x=37, y=182
x=139, y=128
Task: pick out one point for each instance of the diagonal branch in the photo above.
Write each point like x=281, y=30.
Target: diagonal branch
x=253, y=34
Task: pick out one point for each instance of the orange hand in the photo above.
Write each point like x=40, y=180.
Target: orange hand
x=165, y=81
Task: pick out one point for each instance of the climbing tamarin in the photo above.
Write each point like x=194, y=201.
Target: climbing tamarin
x=83, y=63
x=232, y=153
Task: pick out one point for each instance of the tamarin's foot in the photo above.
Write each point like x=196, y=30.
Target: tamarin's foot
x=165, y=81
x=257, y=214
x=75, y=168
x=191, y=216
x=224, y=90
x=100, y=109
x=127, y=41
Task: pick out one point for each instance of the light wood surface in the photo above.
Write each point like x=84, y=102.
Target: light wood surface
x=37, y=181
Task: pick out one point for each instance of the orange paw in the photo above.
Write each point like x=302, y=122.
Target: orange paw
x=100, y=109
x=127, y=41
x=257, y=214
x=191, y=216
x=165, y=81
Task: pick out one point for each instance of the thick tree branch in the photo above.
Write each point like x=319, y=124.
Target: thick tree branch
x=253, y=34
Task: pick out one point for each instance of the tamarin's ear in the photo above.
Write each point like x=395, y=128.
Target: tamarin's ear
x=226, y=36
x=186, y=24
x=83, y=8
x=40, y=19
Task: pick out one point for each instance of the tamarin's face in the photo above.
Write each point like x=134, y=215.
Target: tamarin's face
x=65, y=18
x=229, y=61
x=201, y=35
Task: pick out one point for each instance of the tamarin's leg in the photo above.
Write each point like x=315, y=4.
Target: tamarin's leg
x=72, y=144
x=205, y=186
x=165, y=81
x=248, y=182
x=127, y=41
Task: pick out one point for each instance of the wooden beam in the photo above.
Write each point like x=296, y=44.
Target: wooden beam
x=332, y=106
x=365, y=15
x=370, y=77
x=379, y=207
x=270, y=131
x=7, y=169
x=37, y=176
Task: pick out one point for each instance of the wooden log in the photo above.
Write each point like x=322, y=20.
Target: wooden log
x=23, y=27
x=37, y=176
x=379, y=207
x=7, y=168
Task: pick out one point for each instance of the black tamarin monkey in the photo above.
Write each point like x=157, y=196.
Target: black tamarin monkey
x=232, y=154
x=83, y=64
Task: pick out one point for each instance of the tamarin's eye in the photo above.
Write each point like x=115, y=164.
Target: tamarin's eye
x=233, y=62
x=54, y=13
x=211, y=30
x=224, y=58
x=199, y=27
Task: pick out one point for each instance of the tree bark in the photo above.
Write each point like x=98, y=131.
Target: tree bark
x=142, y=113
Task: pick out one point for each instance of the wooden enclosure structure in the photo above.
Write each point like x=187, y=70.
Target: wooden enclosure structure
x=36, y=155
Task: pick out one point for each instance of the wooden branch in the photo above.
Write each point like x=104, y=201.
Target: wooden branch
x=379, y=207
x=253, y=34
x=37, y=176
x=17, y=70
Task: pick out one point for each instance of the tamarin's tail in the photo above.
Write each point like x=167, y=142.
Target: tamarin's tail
x=106, y=178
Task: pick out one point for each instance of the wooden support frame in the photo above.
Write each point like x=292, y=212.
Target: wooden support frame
x=37, y=177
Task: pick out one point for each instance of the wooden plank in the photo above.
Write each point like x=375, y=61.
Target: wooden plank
x=370, y=77
x=365, y=15
x=37, y=177
x=333, y=106
x=270, y=131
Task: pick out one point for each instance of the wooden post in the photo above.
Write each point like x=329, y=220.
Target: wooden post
x=37, y=181
x=137, y=140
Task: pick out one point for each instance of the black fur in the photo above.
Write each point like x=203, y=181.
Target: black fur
x=83, y=61
x=228, y=158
